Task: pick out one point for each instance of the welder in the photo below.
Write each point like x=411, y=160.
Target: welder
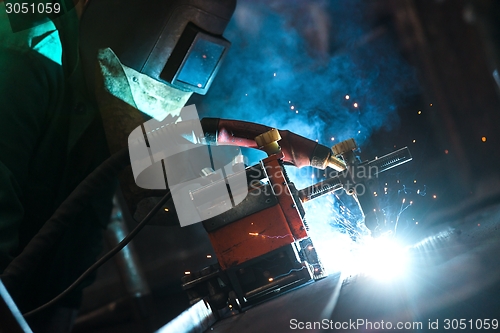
x=65, y=78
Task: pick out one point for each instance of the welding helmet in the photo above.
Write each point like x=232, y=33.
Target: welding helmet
x=149, y=56
x=178, y=42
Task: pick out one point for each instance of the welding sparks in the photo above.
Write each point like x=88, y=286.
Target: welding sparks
x=266, y=236
x=290, y=271
x=483, y=139
x=401, y=210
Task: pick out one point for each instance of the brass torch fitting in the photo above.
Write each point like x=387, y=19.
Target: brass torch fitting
x=268, y=141
x=336, y=163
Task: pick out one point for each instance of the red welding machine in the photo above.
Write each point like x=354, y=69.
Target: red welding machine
x=262, y=243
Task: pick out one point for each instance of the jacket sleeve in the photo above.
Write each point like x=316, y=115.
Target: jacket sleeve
x=24, y=99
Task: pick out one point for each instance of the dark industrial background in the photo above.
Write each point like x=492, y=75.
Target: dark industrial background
x=423, y=74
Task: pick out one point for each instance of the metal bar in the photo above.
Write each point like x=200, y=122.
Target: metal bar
x=391, y=160
x=380, y=165
x=197, y=319
x=321, y=188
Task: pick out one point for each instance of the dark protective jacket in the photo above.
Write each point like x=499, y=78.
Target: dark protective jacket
x=51, y=137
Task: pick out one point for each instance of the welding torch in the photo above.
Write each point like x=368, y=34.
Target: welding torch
x=352, y=175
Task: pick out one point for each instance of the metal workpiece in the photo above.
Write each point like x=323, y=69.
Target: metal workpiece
x=197, y=319
x=389, y=161
x=370, y=169
x=298, y=277
x=321, y=188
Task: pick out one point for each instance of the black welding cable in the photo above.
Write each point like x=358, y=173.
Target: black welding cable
x=106, y=257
